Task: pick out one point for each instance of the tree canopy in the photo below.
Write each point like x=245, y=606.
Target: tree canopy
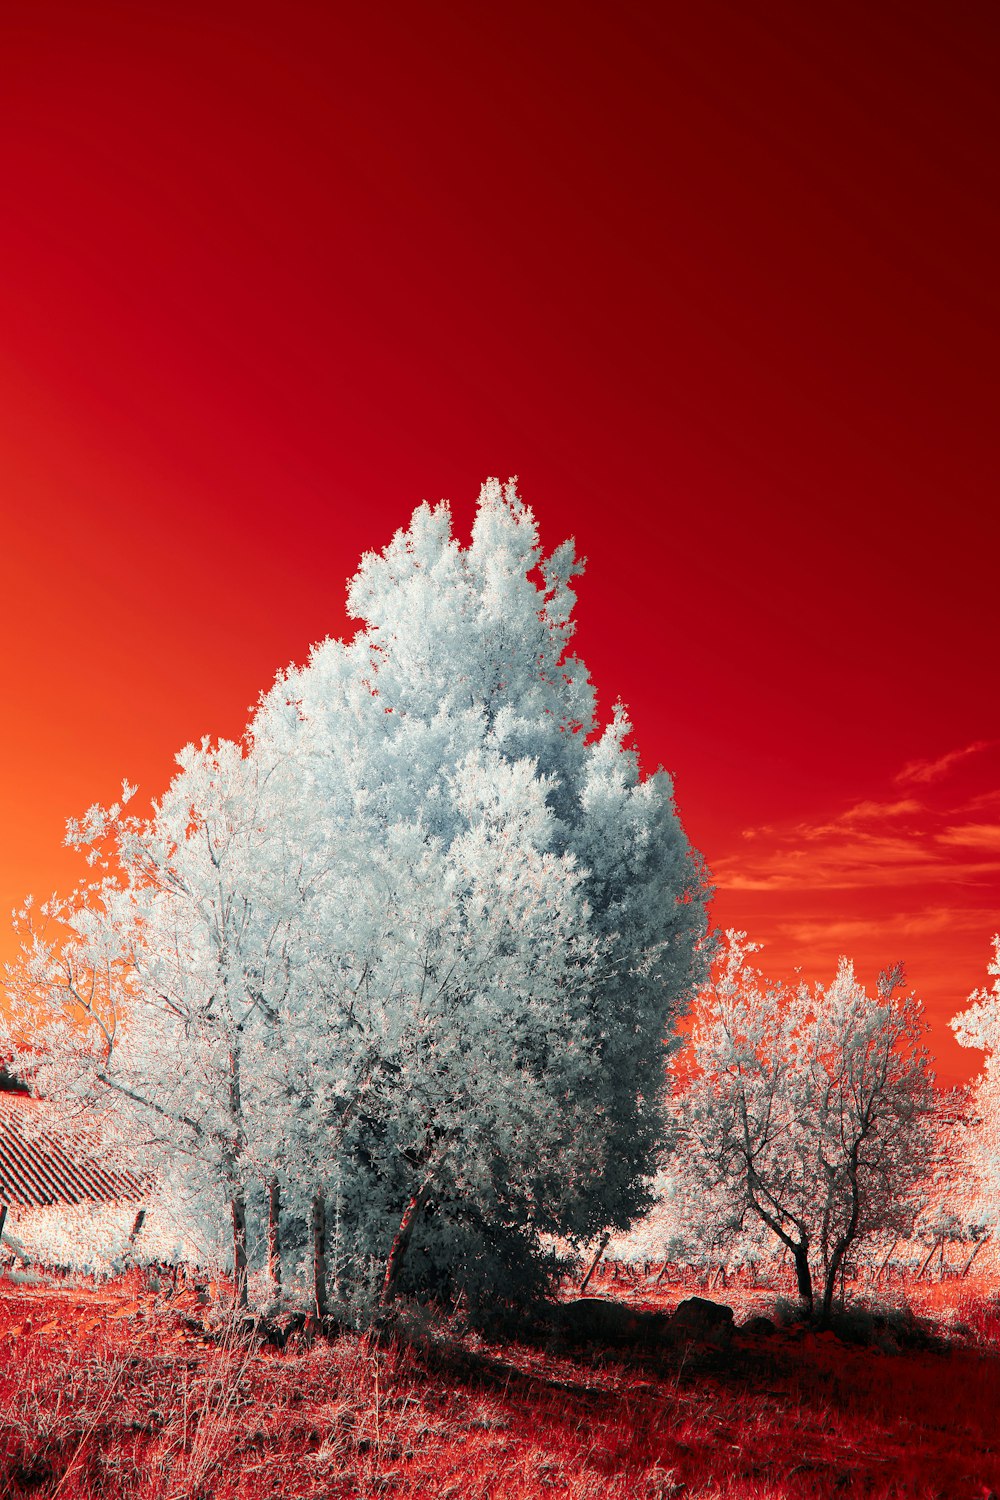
x=399, y=970
x=978, y=1026
x=806, y=1114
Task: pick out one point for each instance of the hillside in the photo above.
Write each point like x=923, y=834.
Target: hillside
x=118, y=1391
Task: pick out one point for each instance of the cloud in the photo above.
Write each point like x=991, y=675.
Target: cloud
x=871, y=844
x=865, y=812
x=984, y=836
x=847, y=933
x=809, y=932
x=857, y=865
x=922, y=772
x=983, y=802
x=860, y=821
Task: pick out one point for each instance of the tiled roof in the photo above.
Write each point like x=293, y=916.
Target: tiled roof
x=43, y=1161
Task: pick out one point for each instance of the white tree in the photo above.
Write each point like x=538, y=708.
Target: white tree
x=810, y=1113
x=955, y=1209
x=978, y=1026
x=415, y=946
x=147, y=994
x=458, y=695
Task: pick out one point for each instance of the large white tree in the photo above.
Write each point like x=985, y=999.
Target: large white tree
x=411, y=953
x=804, y=1114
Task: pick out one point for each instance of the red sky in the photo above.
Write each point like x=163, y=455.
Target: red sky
x=718, y=282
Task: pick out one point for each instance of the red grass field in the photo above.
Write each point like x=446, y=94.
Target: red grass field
x=112, y=1392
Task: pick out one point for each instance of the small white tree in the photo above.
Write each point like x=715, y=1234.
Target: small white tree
x=978, y=1026
x=147, y=996
x=807, y=1112
x=954, y=1210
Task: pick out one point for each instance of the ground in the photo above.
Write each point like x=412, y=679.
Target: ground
x=117, y=1391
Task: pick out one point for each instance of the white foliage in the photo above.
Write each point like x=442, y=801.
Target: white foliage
x=96, y=1238
x=805, y=1115
x=425, y=930
x=979, y=1168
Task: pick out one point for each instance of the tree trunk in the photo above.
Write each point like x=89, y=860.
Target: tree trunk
x=319, y=1255
x=664, y=1270
x=830, y=1283
x=803, y=1275
x=965, y=1269
x=239, y=1211
x=238, y=1203
x=595, y=1262
x=274, y=1234
x=397, y=1253
x=836, y=1268
x=930, y=1257
x=888, y=1257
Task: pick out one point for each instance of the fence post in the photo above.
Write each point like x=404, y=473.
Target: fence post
x=594, y=1263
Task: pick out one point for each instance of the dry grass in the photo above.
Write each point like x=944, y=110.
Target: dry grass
x=105, y=1394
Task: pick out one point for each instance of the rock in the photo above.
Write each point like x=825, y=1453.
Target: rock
x=702, y=1321
x=598, y=1320
x=759, y=1328
x=268, y=1333
x=289, y=1326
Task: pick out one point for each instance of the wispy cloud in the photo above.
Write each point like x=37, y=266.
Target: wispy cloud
x=866, y=812
x=972, y=836
x=903, y=840
x=983, y=802
x=875, y=863
x=922, y=772
x=849, y=933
